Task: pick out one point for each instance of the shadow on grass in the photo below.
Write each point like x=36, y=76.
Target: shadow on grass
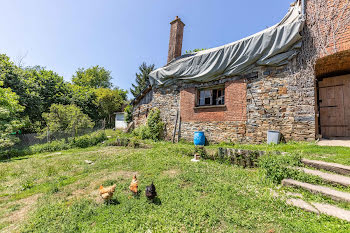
x=112, y=202
x=136, y=195
x=156, y=201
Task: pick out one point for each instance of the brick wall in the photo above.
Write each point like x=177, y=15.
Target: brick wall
x=342, y=39
x=234, y=110
x=335, y=64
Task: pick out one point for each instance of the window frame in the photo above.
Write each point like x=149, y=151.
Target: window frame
x=211, y=89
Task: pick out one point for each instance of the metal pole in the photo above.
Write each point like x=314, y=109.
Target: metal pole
x=303, y=7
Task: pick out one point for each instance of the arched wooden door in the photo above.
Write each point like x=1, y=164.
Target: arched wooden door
x=334, y=103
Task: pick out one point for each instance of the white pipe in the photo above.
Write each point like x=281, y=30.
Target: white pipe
x=303, y=7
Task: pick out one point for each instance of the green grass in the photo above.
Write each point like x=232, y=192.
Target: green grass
x=193, y=197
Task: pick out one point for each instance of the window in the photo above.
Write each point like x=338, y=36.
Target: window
x=208, y=97
x=120, y=117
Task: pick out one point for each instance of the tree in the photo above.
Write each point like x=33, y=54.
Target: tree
x=94, y=77
x=10, y=121
x=142, y=79
x=37, y=88
x=66, y=118
x=43, y=88
x=84, y=98
x=194, y=51
x=108, y=102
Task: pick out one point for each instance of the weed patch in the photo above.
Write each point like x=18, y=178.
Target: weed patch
x=278, y=167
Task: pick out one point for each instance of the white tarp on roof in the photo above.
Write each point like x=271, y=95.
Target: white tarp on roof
x=274, y=46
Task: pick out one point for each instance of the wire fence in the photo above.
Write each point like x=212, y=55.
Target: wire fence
x=31, y=139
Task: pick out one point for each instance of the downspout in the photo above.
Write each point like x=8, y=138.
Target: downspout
x=303, y=7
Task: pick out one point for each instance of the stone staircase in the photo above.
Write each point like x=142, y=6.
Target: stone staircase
x=336, y=176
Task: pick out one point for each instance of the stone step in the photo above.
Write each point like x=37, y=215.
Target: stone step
x=331, y=178
x=334, y=194
x=333, y=167
x=319, y=208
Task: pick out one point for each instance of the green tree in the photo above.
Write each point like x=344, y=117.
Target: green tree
x=194, y=51
x=94, y=77
x=142, y=79
x=84, y=98
x=37, y=89
x=108, y=102
x=10, y=120
x=43, y=88
x=66, y=118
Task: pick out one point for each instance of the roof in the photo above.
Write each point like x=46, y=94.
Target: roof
x=274, y=46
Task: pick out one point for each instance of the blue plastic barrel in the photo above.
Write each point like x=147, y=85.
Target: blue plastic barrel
x=199, y=138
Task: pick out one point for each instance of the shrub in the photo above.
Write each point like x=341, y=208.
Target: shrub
x=154, y=128
x=142, y=132
x=81, y=142
x=155, y=124
x=50, y=147
x=128, y=113
x=78, y=142
x=88, y=140
x=134, y=143
x=278, y=167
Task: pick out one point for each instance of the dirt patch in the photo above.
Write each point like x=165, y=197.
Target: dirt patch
x=19, y=215
x=171, y=173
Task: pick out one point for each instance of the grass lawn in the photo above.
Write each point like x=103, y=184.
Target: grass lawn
x=57, y=192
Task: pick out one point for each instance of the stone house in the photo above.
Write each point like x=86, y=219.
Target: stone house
x=237, y=92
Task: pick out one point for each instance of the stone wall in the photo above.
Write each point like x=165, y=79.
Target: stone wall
x=276, y=102
x=269, y=100
x=215, y=131
x=167, y=100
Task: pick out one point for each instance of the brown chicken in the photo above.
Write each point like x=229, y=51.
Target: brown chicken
x=134, y=185
x=107, y=193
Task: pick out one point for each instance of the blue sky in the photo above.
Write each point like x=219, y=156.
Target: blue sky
x=64, y=35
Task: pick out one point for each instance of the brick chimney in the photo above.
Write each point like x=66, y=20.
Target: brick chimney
x=176, y=36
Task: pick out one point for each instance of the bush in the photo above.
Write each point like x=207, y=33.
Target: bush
x=88, y=140
x=81, y=142
x=278, y=167
x=142, y=132
x=50, y=147
x=78, y=142
x=128, y=113
x=155, y=124
x=154, y=128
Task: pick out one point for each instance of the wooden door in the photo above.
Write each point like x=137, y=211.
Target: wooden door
x=334, y=102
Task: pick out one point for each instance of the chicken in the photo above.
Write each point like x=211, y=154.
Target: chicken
x=107, y=193
x=151, y=192
x=134, y=185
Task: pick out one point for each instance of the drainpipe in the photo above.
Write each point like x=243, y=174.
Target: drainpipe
x=303, y=7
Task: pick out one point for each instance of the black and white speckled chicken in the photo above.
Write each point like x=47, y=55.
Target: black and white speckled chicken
x=151, y=192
